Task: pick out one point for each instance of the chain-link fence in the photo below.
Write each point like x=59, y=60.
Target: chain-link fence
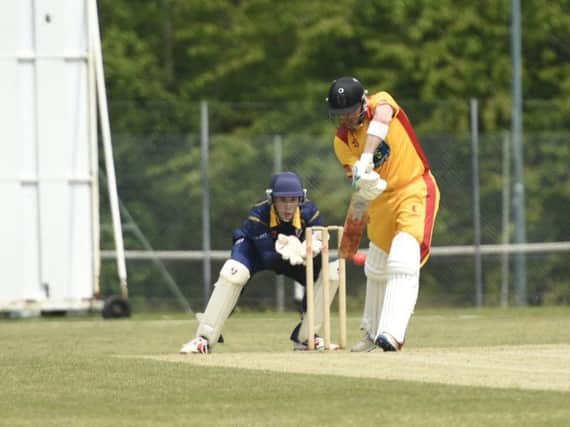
x=161, y=186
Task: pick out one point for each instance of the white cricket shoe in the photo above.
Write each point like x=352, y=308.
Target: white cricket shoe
x=366, y=344
x=319, y=345
x=197, y=345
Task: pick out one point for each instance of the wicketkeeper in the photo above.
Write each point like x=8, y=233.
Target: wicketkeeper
x=271, y=238
x=378, y=148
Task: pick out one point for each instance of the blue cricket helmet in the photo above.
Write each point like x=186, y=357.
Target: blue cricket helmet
x=286, y=184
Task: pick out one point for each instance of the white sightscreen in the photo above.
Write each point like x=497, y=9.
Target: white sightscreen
x=46, y=215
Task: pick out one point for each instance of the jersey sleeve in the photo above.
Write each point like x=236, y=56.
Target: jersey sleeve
x=265, y=246
x=343, y=153
x=310, y=214
x=257, y=231
x=255, y=223
x=385, y=98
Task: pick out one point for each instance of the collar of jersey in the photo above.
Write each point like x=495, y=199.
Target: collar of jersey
x=274, y=220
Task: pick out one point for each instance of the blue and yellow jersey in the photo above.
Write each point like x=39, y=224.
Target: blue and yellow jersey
x=262, y=227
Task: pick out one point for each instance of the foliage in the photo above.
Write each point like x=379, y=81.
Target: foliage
x=264, y=67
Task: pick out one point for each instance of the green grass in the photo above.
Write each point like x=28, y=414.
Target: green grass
x=68, y=372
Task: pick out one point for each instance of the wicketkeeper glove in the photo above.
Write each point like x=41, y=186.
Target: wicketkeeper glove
x=290, y=248
x=370, y=185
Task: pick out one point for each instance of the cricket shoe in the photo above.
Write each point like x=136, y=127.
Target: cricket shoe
x=387, y=342
x=197, y=345
x=319, y=345
x=366, y=344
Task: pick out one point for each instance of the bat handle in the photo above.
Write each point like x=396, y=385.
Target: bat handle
x=354, y=181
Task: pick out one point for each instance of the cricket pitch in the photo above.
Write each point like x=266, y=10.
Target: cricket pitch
x=530, y=367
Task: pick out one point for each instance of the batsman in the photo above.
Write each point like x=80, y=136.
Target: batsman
x=379, y=150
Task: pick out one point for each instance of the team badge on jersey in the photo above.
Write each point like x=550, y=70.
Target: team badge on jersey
x=381, y=154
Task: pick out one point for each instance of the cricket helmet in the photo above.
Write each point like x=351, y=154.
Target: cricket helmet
x=286, y=184
x=346, y=94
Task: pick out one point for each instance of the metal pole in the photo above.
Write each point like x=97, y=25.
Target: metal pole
x=505, y=220
x=206, y=245
x=278, y=167
x=94, y=172
x=476, y=203
x=517, y=129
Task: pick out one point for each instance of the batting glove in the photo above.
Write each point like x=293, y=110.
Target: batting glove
x=370, y=185
x=361, y=167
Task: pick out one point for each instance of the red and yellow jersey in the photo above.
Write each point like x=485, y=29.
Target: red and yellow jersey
x=411, y=200
x=406, y=161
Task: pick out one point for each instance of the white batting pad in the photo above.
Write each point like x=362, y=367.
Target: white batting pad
x=333, y=280
x=402, y=286
x=375, y=270
x=233, y=277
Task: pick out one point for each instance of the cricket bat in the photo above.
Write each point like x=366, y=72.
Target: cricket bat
x=354, y=224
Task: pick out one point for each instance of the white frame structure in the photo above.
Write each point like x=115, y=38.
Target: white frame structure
x=52, y=83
